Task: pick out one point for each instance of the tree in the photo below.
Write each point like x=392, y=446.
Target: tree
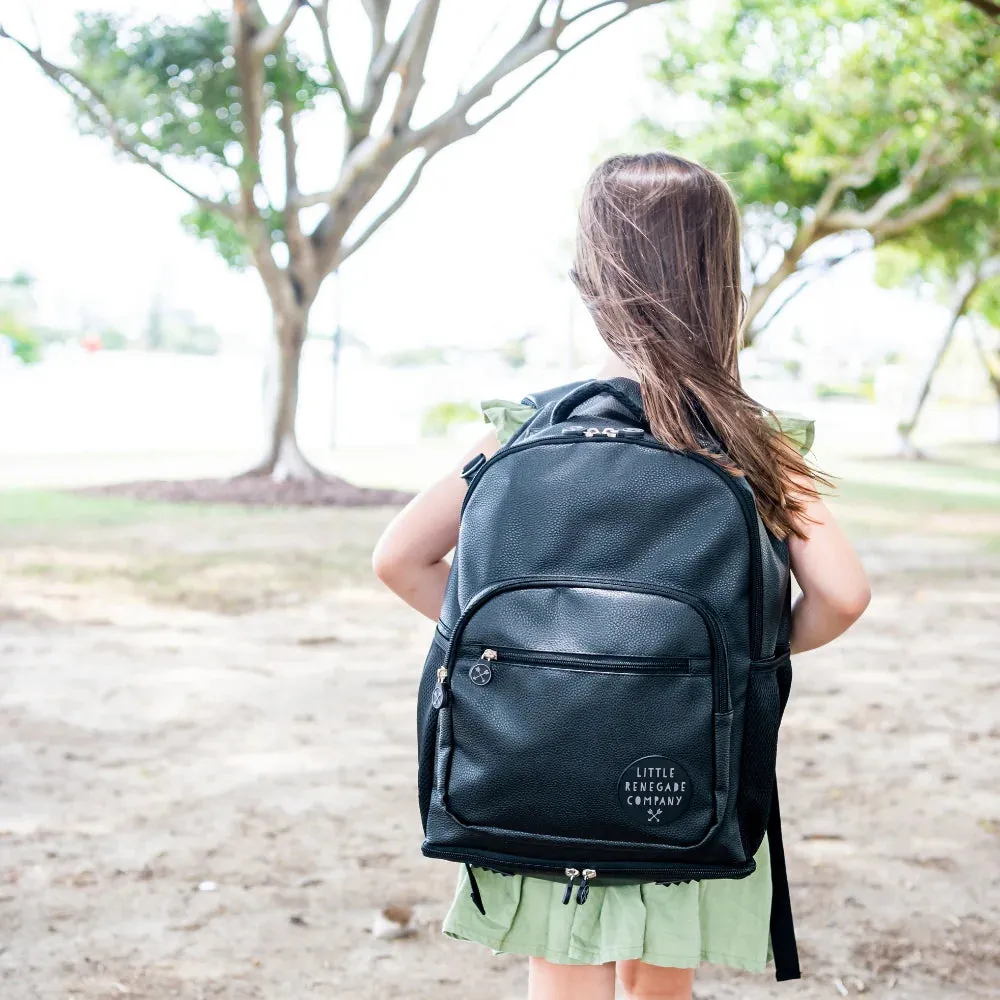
x=986, y=336
x=830, y=119
x=200, y=100
x=958, y=256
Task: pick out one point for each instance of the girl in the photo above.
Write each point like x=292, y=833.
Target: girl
x=657, y=263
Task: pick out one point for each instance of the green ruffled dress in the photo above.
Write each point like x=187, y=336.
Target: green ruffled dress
x=724, y=921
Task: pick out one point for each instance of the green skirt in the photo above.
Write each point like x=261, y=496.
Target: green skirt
x=724, y=921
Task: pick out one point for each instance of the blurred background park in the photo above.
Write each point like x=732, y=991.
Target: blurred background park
x=239, y=322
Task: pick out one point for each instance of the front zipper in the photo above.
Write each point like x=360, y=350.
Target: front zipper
x=745, y=501
x=720, y=662
x=572, y=874
x=609, y=869
x=531, y=657
x=584, y=891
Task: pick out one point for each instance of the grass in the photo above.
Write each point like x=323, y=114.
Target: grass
x=214, y=557
x=905, y=498
x=51, y=507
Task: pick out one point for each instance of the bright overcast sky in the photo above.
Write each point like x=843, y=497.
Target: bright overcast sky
x=476, y=253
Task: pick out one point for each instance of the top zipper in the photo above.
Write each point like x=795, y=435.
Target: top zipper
x=745, y=501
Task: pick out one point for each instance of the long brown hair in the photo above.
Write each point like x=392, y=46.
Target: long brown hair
x=658, y=265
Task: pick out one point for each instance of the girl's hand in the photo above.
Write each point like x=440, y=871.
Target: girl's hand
x=410, y=556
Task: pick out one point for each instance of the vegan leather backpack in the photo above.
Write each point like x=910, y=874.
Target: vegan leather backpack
x=602, y=696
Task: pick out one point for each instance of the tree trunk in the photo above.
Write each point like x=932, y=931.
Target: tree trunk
x=283, y=459
x=906, y=427
x=760, y=294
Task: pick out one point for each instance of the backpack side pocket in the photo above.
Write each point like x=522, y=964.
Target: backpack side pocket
x=767, y=690
x=427, y=724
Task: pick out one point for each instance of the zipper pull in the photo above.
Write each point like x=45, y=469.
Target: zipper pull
x=572, y=874
x=439, y=696
x=584, y=891
x=631, y=431
x=573, y=429
x=481, y=673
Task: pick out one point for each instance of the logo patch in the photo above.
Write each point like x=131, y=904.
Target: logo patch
x=654, y=791
x=480, y=673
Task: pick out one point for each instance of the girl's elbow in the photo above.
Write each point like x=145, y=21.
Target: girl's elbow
x=387, y=564
x=852, y=605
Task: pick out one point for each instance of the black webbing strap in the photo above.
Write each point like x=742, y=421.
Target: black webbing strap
x=783, y=947
x=474, y=892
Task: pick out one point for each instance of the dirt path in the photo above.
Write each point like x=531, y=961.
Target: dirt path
x=182, y=706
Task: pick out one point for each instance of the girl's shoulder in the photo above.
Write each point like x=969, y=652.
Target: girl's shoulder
x=507, y=416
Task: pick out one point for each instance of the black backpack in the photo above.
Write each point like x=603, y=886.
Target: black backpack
x=602, y=696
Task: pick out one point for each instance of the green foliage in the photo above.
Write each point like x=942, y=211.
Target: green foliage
x=113, y=339
x=173, y=87
x=781, y=96
x=222, y=233
x=442, y=417
x=986, y=302
x=27, y=345
x=173, y=92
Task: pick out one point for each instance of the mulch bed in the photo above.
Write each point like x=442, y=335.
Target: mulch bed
x=253, y=490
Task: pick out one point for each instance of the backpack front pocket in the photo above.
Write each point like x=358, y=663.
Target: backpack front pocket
x=554, y=741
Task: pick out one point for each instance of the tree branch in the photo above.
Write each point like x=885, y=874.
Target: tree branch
x=313, y=199
x=414, y=46
x=370, y=161
x=877, y=219
x=94, y=108
x=269, y=39
x=936, y=205
x=300, y=252
x=561, y=53
x=860, y=173
x=988, y=7
x=808, y=272
x=321, y=11
x=536, y=41
x=378, y=14
x=990, y=362
x=250, y=73
x=390, y=209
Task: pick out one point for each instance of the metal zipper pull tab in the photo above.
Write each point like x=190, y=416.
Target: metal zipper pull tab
x=572, y=874
x=439, y=696
x=481, y=673
x=584, y=891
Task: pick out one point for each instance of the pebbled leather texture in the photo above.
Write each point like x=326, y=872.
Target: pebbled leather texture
x=631, y=594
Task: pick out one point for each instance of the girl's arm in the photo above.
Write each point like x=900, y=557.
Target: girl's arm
x=835, y=589
x=410, y=556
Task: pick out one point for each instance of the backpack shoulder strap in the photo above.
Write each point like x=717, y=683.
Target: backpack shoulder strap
x=783, y=946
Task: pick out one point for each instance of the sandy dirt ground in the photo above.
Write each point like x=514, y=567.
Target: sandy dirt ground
x=207, y=775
